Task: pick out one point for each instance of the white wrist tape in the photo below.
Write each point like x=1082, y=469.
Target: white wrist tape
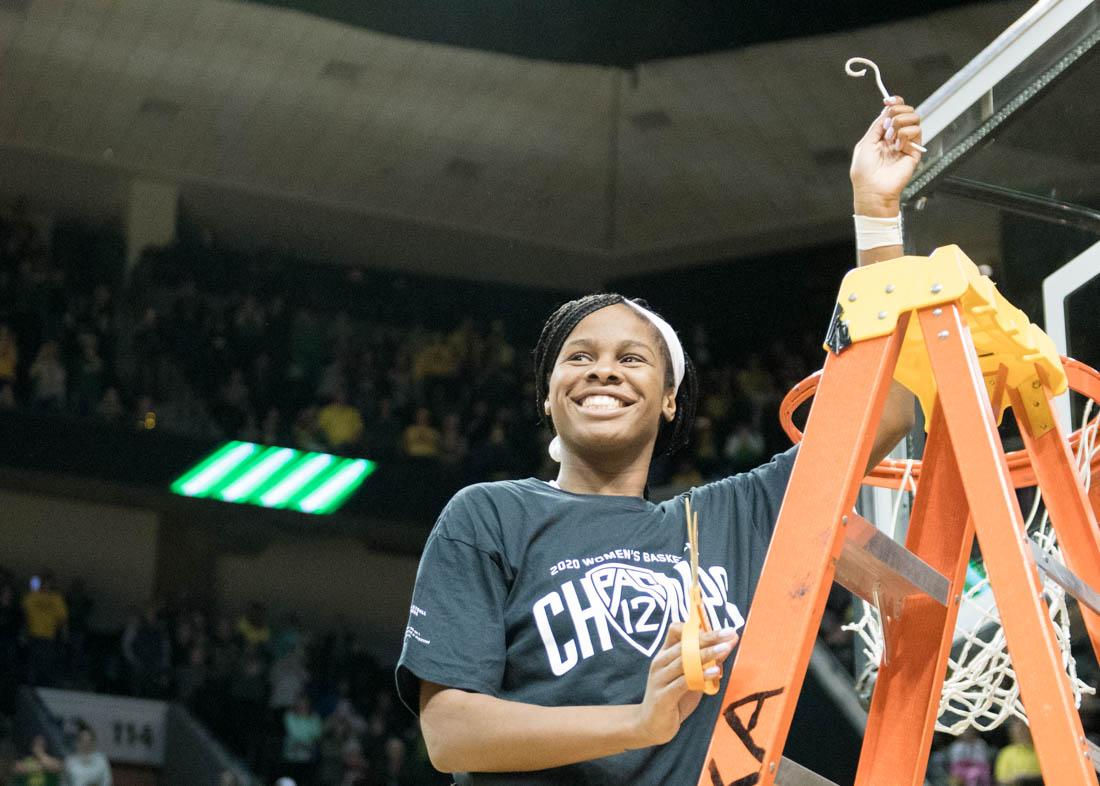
x=874, y=232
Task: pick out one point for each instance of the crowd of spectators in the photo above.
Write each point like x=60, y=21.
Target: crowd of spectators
x=194, y=350
x=227, y=349
x=316, y=706
x=1005, y=757
x=289, y=701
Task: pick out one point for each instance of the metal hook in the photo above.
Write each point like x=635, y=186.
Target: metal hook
x=850, y=71
x=861, y=71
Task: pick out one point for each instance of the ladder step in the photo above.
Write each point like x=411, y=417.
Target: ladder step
x=875, y=567
x=1066, y=579
x=792, y=773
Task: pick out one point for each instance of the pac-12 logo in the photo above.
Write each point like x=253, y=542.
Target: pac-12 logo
x=636, y=603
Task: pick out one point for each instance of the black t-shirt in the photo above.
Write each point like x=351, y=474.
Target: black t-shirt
x=533, y=594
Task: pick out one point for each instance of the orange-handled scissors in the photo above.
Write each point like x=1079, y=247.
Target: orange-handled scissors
x=696, y=624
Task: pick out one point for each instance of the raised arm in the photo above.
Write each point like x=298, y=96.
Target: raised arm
x=883, y=162
x=473, y=732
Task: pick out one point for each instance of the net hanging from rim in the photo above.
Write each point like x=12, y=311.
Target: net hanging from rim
x=980, y=687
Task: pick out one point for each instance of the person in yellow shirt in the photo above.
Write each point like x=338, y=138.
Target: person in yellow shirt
x=39, y=768
x=45, y=616
x=1016, y=761
x=252, y=627
x=341, y=423
x=422, y=439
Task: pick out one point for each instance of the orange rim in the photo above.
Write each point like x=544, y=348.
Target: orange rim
x=889, y=473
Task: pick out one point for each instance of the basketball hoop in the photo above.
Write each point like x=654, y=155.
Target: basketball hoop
x=980, y=688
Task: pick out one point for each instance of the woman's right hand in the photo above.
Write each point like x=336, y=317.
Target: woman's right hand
x=668, y=701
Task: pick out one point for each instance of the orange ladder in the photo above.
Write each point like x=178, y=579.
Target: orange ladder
x=944, y=331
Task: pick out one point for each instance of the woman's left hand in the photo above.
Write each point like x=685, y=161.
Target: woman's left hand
x=884, y=160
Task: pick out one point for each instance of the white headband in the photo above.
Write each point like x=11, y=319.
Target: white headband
x=675, y=352
x=675, y=348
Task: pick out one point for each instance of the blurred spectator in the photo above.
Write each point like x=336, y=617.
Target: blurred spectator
x=1017, y=761
x=340, y=751
x=271, y=429
x=939, y=768
x=421, y=439
x=110, y=406
x=191, y=672
x=393, y=770
x=303, y=729
x=252, y=627
x=248, y=699
x=46, y=616
x=88, y=377
x=289, y=678
x=705, y=445
x=493, y=458
x=383, y=432
x=744, y=448
x=48, y=379
x=38, y=767
x=686, y=474
x=87, y=767
x=287, y=636
x=185, y=413
x=759, y=388
x=232, y=409
x=340, y=423
x=306, y=434
x=147, y=652
x=452, y=442
x=969, y=757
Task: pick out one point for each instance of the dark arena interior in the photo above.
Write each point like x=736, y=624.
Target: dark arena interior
x=303, y=384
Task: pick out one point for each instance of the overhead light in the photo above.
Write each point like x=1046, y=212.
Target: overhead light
x=274, y=477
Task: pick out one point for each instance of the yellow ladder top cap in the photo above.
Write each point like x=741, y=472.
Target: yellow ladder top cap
x=872, y=298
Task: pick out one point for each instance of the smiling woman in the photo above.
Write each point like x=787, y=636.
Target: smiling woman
x=629, y=345
x=543, y=643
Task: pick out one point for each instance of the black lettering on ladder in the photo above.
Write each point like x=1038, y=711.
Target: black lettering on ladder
x=744, y=733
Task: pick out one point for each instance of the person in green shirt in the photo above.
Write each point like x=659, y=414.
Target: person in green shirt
x=38, y=768
x=1017, y=761
x=303, y=729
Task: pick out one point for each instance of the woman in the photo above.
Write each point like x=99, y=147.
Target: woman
x=543, y=639
x=87, y=767
x=302, y=734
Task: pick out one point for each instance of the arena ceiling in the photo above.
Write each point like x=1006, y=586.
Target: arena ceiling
x=620, y=33
x=293, y=130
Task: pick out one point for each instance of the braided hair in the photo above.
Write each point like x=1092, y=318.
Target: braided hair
x=672, y=435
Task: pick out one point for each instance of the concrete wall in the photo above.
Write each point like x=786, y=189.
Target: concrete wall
x=128, y=555
x=325, y=581
x=112, y=548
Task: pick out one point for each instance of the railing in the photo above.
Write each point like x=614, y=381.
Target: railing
x=192, y=757
x=32, y=718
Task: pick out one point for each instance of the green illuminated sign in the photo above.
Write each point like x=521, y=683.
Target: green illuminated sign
x=274, y=477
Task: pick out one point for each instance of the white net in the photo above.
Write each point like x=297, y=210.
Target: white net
x=980, y=688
